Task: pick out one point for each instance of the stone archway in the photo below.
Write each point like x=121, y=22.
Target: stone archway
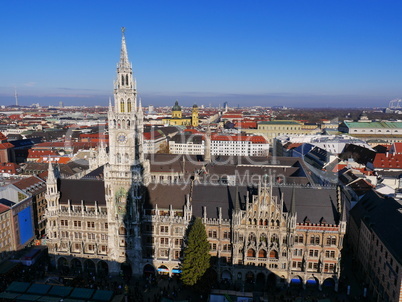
x=260, y=281
x=176, y=271
x=126, y=270
x=89, y=266
x=163, y=270
x=62, y=265
x=271, y=281
x=296, y=281
x=148, y=270
x=103, y=268
x=312, y=283
x=76, y=266
x=250, y=277
x=329, y=285
x=226, y=275
x=329, y=282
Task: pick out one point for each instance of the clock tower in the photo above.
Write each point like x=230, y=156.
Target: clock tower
x=127, y=171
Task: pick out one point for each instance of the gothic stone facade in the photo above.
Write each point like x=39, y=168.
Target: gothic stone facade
x=135, y=217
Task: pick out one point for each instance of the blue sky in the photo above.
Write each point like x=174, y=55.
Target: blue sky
x=311, y=53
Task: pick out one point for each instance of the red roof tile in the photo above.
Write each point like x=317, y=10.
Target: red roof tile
x=6, y=146
x=3, y=208
x=252, y=138
x=388, y=161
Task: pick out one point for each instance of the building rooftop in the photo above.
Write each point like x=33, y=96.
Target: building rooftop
x=379, y=125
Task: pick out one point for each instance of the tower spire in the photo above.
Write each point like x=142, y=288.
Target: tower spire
x=16, y=96
x=293, y=201
x=124, y=62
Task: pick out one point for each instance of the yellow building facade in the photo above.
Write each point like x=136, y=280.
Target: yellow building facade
x=177, y=118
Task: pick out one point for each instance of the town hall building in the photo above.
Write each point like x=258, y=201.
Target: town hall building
x=265, y=219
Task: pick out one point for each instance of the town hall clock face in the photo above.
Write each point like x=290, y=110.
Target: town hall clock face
x=121, y=138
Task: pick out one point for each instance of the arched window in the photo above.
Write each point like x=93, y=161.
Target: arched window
x=251, y=253
x=129, y=105
x=273, y=254
x=262, y=254
x=122, y=80
x=252, y=238
x=126, y=158
x=118, y=158
x=122, y=231
x=277, y=223
x=263, y=239
x=127, y=79
x=266, y=222
x=122, y=105
x=261, y=222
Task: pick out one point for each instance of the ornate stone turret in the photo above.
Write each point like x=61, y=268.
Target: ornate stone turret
x=292, y=217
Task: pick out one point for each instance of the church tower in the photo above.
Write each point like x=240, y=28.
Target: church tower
x=176, y=110
x=126, y=169
x=194, y=116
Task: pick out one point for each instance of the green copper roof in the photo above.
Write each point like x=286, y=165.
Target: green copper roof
x=379, y=125
x=176, y=106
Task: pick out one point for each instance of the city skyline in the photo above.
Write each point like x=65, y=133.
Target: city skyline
x=309, y=54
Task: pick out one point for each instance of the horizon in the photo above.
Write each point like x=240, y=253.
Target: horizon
x=343, y=54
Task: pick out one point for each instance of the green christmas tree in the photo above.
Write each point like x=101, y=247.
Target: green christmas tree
x=196, y=254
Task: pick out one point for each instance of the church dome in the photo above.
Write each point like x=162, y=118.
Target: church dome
x=195, y=106
x=176, y=106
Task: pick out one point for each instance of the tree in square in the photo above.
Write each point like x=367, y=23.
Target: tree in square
x=196, y=258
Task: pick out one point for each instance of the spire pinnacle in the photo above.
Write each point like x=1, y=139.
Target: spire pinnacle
x=50, y=175
x=124, y=63
x=293, y=201
x=140, y=105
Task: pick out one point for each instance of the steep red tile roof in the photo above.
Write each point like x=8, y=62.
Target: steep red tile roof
x=3, y=208
x=31, y=184
x=6, y=146
x=252, y=138
x=39, y=153
x=397, y=147
x=195, y=131
x=58, y=159
x=94, y=135
x=246, y=124
x=152, y=135
x=232, y=115
x=9, y=168
x=388, y=161
x=43, y=175
x=2, y=137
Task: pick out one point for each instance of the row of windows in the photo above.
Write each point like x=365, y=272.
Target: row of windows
x=331, y=240
x=77, y=224
x=225, y=247
x=328, y=267
x=213, y=234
